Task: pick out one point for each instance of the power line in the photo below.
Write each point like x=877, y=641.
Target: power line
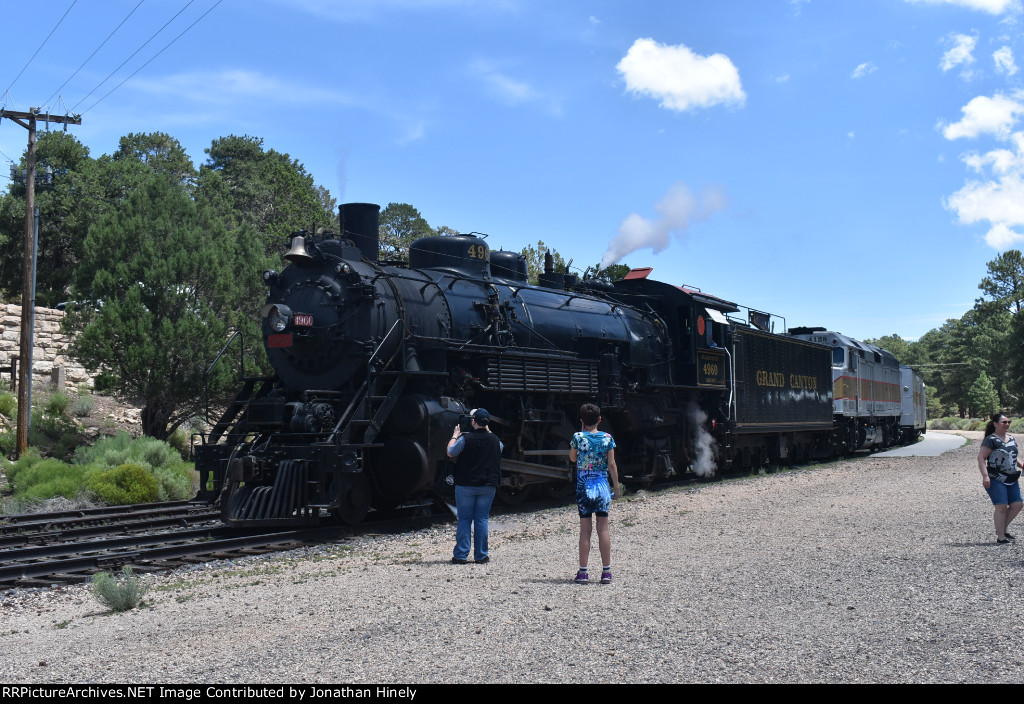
x=143, y=46
x=166, y=46
x=42, y=45
x=47, y=102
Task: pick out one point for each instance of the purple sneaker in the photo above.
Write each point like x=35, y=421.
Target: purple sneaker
x=606, y=577
x=582, y=577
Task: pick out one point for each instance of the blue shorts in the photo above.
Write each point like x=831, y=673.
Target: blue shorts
x=593, y=494
x=1003, y=494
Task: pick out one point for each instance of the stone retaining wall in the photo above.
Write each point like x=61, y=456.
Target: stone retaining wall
x=50, y=348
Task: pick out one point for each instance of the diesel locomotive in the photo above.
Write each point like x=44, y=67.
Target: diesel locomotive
x=375, y=361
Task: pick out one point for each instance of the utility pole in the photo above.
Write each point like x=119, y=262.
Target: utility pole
x=28, y=294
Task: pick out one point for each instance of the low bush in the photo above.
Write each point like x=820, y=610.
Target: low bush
x=82, y=406
x=181, y=441
x=57, y=403
x=127, y=484
x=105, y=383
x=119, y=593
x=8, y=440
x=8, y=405
x=28, y=458
x=175, y=482
x=54, y=435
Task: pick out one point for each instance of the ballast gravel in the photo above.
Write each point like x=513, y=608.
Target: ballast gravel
x=870, y=570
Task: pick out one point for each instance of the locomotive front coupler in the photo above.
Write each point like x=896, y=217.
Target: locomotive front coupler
x=245, y=469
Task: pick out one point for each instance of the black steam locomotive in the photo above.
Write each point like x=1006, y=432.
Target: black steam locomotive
x=376, y=361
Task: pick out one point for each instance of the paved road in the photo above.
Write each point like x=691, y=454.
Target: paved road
x=932, y=445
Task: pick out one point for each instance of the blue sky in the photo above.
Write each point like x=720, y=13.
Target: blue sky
x=851, y=164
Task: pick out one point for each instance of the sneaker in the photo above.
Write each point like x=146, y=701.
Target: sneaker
x=606, y=577
x=459, y=561
x=582, y=577
x=483, y=560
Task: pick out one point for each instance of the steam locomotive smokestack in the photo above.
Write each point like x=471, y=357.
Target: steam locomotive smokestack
x=360, y=222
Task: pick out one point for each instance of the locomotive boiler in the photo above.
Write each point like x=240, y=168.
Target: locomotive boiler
x=375, y=361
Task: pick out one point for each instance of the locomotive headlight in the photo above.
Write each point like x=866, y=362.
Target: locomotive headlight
x=277, y=315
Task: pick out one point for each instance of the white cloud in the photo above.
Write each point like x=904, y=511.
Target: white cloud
x=1004, y=61
x=784, y=78
x=959, y=53
x=679, y=78
x=983, y=115
x=676, y=211
x=996, y=196
x=1002, y=237
x=993, y=7
x=863, y=70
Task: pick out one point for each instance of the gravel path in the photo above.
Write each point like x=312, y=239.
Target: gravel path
x=872, y=570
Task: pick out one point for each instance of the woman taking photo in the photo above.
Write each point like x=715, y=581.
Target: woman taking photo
x=997, y=462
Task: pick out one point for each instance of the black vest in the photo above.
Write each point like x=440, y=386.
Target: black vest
x=479, y=463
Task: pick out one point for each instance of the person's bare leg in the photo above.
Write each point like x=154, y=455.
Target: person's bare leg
x=1011, y=513
x=586, y=527
x=999, y=516
x=604, y=540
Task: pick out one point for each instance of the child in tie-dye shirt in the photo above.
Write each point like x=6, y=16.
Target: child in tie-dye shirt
x=597, y=483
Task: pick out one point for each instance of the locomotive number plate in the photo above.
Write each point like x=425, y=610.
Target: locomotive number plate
x=710, y=369
x=303, y=319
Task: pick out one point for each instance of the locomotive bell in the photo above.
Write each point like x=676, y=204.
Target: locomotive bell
x=298, y=251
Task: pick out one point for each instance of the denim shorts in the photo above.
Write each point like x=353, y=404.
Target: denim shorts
x=1003, y=494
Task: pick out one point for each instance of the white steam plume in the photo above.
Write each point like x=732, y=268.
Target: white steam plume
x=705, y=449
x=677, y=209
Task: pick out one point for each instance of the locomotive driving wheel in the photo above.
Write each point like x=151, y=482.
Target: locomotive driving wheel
x=353, y=499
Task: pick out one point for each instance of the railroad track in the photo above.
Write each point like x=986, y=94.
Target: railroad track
x=40, y=550
x=45, y=528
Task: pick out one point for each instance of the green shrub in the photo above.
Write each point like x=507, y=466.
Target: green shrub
x=83, y=405
x=57, y=403
x=181, y=441
x=41, y=479
x=54, y=435
x=116, y=445
x=119, y=593
x=176, y=482
x=28, y=458
x=8, y=440
x=121, y=448
x=68, y=486
x=127, y=484
x=156, y=454
x=8, y=405
x=105, y=383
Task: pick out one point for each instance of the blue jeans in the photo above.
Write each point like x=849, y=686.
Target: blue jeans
x=473, y=506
